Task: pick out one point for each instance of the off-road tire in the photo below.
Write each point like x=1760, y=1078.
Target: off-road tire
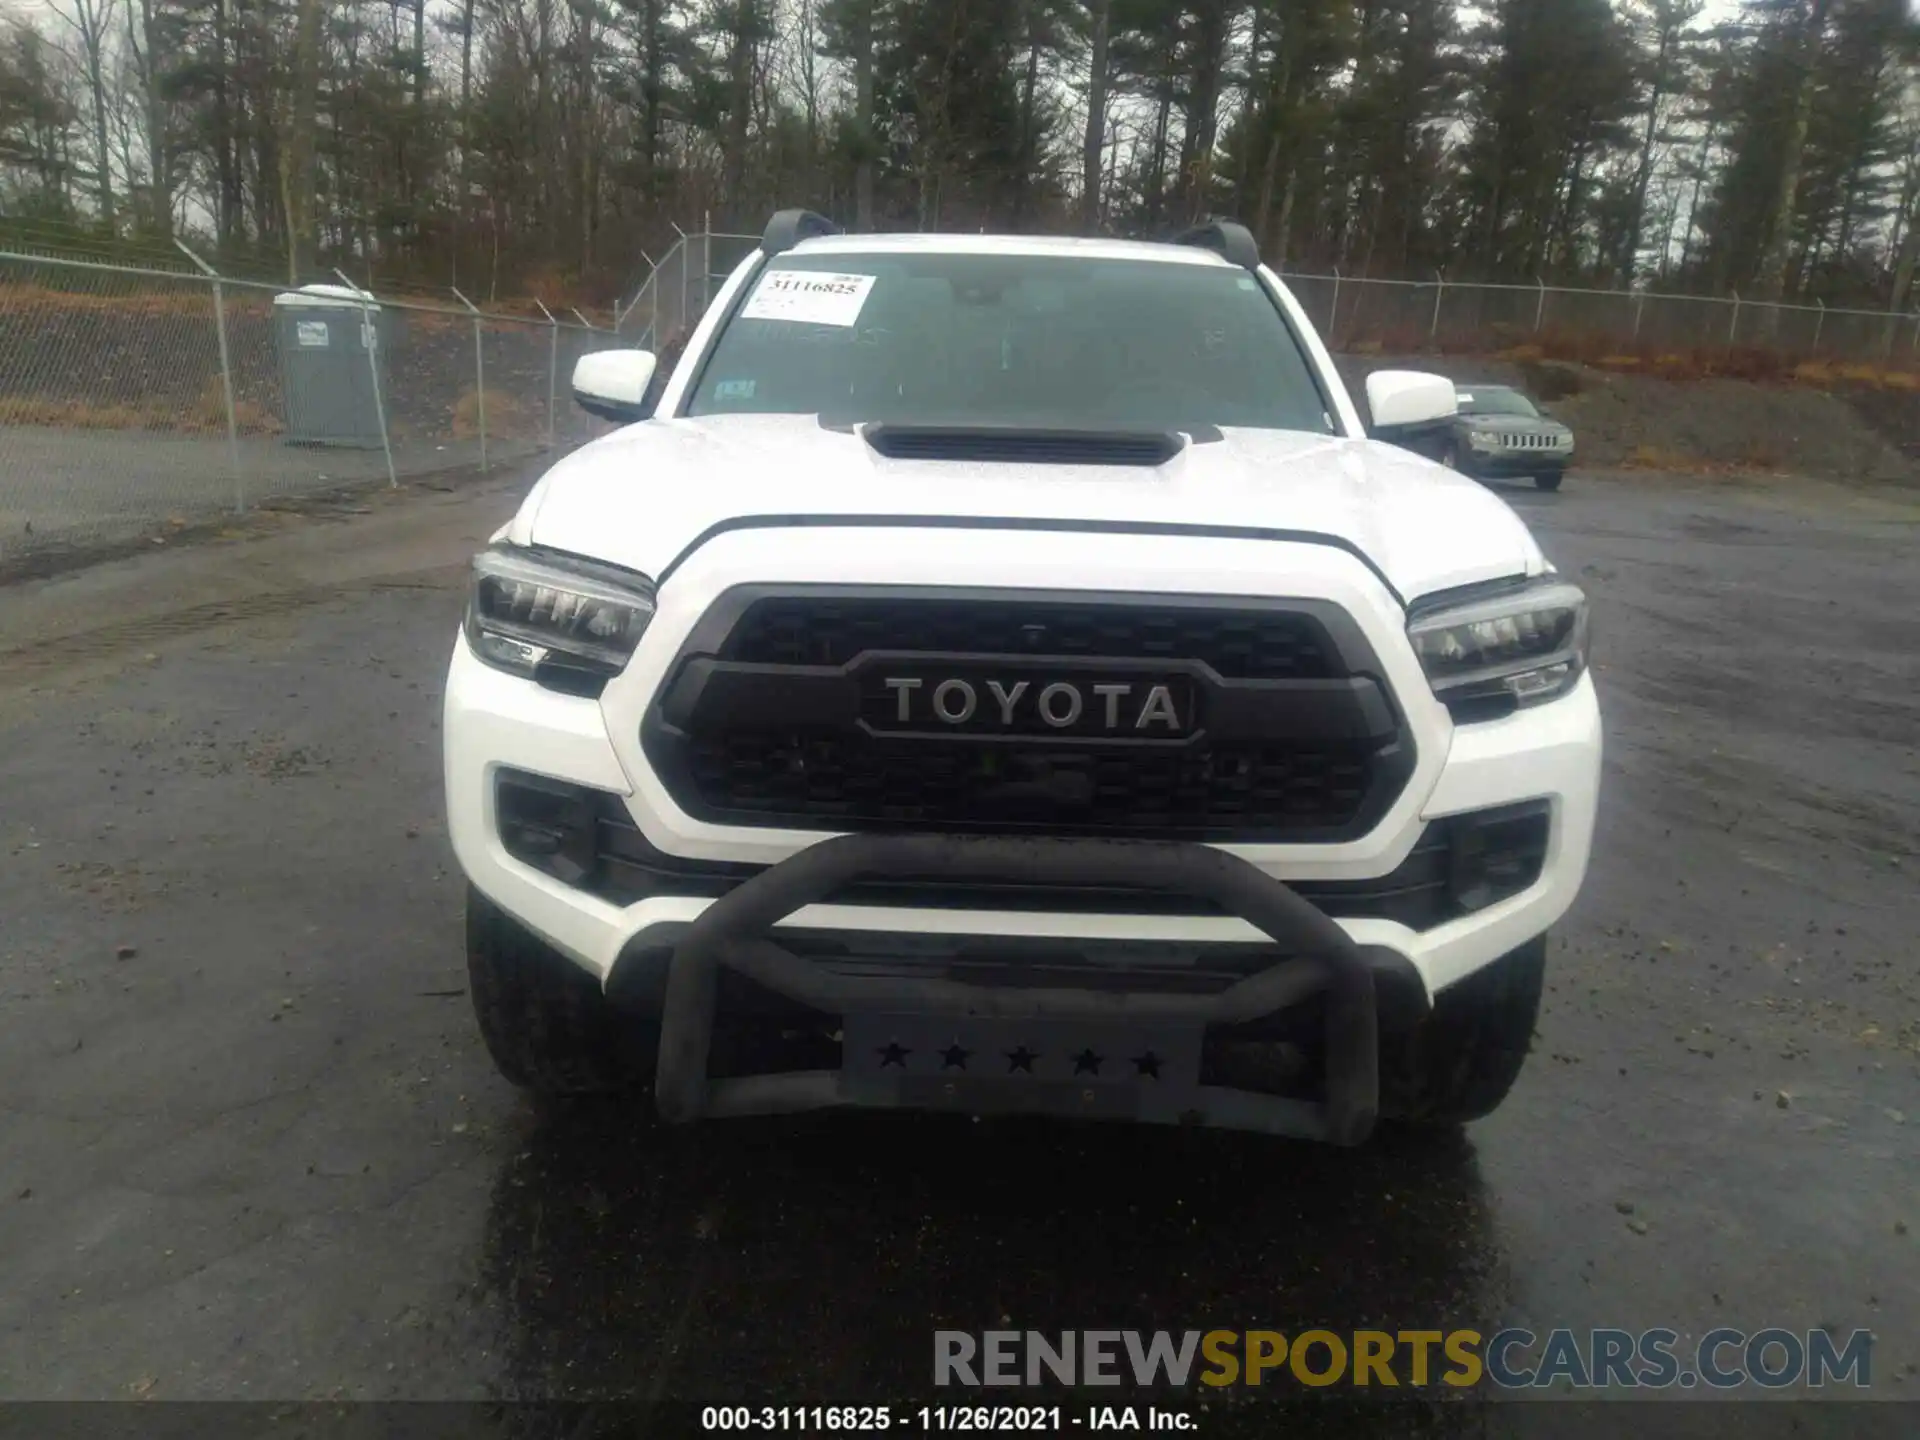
x=1549, y=479
x=1458, y=1063
x=546, y=1022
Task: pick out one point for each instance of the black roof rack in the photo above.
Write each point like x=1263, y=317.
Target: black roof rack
x=788, y=228
x=1229, y=239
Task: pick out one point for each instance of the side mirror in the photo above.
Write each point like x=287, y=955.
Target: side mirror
x=1398, y=398
x=613, y=383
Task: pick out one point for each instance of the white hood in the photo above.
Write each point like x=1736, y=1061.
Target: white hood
x=641, y=496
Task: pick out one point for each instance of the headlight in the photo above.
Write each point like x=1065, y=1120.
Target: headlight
x=527, y=611
x=1483, y=440
x=1487, y=656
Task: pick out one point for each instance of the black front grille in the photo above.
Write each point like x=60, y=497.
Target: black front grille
x=1237, y=644
x=771, y=720
x=862, y=782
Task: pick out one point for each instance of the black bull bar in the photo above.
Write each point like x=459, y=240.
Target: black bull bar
x=734, y=932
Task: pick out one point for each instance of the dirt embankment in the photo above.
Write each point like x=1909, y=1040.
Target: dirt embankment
x=1851, y=433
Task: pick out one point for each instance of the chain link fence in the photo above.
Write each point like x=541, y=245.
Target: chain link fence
x=134, y=401
x=1419, y=314
x=1401, y=315
x=679, y=289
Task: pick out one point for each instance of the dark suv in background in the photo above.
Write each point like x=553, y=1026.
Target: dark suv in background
x=1498, y=434
x=1501, y=434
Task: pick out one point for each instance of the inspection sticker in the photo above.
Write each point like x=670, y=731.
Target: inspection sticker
x=808, y=297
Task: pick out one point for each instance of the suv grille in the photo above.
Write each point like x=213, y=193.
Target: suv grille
x=781, y=721
x=1237, y=644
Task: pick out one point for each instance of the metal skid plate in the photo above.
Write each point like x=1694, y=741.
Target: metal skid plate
x=985, y=1064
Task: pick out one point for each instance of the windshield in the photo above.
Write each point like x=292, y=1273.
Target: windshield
x=1053, y=341
x=1495, y=400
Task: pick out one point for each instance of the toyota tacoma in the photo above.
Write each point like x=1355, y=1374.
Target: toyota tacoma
x=1000, y=673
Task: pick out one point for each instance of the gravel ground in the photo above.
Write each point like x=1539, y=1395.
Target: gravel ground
x=65, y=491
x=251, y=1147
x=63, y=485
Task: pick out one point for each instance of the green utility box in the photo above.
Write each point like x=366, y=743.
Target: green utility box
x=326, y=336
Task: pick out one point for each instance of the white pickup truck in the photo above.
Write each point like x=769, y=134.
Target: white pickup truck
x=1000, y=673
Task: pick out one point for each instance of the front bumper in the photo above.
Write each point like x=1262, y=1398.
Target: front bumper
x=1502, y=464
x=1546, y=756
x=888, y=1020
x=1550, y=754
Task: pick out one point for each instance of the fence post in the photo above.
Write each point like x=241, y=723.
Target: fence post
x=706, y=261
x=1639, y=307
x=479, y=374
x=619, y=315
x=1439, y=289
x=1818, y=321
x=1733, y=325
x=553, y=362
x=653, y=273
x=226, y=380
x=685, y=250
x=370, y=334
x=1540, y=309
x=1333, y=311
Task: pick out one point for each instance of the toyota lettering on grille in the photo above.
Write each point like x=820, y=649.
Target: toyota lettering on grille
x=1142, y=707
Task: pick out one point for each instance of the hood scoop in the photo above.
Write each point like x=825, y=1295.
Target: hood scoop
x=1003, y=445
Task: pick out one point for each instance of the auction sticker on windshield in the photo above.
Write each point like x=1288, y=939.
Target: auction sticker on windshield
x=808, y=297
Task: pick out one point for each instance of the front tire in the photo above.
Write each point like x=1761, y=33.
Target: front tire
x=1460, y=1061
x=546, y=1022
x=1549, y=479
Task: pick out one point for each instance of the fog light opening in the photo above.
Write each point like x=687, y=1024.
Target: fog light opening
x=550, y=825
x=1495, y=855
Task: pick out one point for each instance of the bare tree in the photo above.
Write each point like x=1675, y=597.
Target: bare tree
x=746, y=27
x=1099, y=13
x=863, y=114
x=1771, y=279
x=584, y=12
x=297, y=151
x=1904, y=242
x=143, y=46
x=92, y=21
x=1668, y=20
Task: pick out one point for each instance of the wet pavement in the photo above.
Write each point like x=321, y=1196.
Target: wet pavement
x=250, y=1145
